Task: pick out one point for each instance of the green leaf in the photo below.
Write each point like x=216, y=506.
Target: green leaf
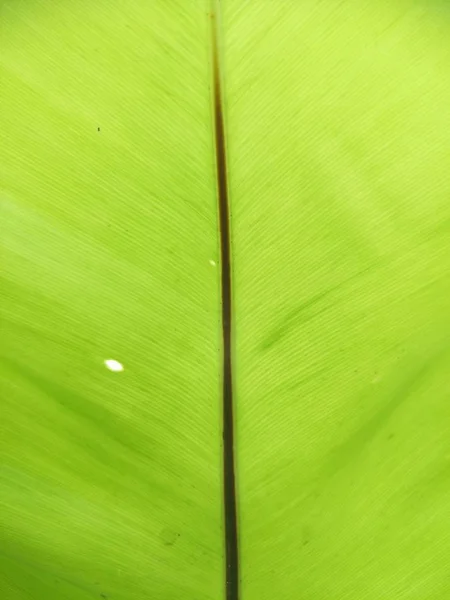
x=337, y=119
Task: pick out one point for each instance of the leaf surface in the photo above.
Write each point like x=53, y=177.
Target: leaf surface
x=337, y=122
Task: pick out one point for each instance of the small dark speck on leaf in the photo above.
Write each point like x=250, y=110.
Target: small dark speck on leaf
x=98, y=128
x=104, y=596
x=306, y=535
x=169, y=537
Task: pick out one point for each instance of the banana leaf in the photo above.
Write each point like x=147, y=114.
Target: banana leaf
x=225, y=300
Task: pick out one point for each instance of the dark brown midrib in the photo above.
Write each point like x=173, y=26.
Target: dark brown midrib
x=229, y=478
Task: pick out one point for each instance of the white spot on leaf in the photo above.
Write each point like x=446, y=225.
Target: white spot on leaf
x=113, y=365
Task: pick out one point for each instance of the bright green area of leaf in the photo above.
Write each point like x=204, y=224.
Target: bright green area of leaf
x=111, y=481
x=338, y=129
x=339, y=136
